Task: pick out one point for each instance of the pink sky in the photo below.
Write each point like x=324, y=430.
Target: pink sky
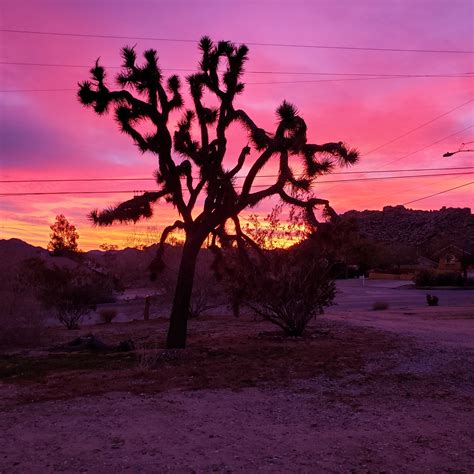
x=46, y=135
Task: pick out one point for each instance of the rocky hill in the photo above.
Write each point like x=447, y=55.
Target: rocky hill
x=428, y=231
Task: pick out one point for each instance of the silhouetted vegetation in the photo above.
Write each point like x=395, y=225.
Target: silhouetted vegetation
x=108, y=315
x=70, y=293
x=63, y=237
x=145, y=100
x=430, y=278
x=432, y=300
x=108, y=247
x=206, y=296
x=288, y=288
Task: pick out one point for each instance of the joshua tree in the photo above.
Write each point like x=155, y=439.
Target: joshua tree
x=189, y=166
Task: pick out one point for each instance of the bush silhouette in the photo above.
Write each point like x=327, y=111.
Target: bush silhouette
x=70, y=292
x=288, y=288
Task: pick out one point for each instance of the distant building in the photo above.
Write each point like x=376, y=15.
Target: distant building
x=450, y=258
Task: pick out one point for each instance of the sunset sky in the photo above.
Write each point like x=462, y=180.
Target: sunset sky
x=398, y=123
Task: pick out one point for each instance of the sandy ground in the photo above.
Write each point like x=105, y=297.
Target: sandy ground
x=384, y=391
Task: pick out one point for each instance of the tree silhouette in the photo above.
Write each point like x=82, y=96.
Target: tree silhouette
x=189, y=166
x=63, y=237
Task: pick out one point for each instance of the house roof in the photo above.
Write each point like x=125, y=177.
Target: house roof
x=454, y=249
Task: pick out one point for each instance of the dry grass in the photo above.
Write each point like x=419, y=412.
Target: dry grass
x=222, y=353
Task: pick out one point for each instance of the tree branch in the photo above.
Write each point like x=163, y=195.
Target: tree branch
x=259, y=136
x=240, y=162
x=256, y=167
x=132, y=210
x=157, y=264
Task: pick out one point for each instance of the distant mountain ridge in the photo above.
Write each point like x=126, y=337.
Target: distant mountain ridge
x=427, y=231
x=422, y=229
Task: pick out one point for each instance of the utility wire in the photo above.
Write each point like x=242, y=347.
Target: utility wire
x=418, y=127
x=271, y=82
x=394, y=76
x=303, y=73
x=250, y=43
x=236, y=187
x=423, y=148
x=428, y=146
x=3, y=91
x=384, y=196
x=437, y=194
x=345, y=79
x=70, y=180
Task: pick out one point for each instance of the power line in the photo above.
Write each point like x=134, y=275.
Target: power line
x=78, y=192
x=82, y=66
x=402, y=192
x=428, y=146
x=71, y=180
x=250, y=43
x=394, y=76
x=303, y=73
x=276, y=82
x=437, y=194
x=423, y=148
x=236, y=187
x=418, y=127
x=272, y=82
x=36, y=90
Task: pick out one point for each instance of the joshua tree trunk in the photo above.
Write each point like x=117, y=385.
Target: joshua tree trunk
x=182, y=296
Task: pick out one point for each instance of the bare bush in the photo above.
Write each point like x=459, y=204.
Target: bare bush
x=108, y=315
x=380, y=306
x=287, y=288
x=205, y=297
x=432, y=300
x=149, y=356
x=69, y=293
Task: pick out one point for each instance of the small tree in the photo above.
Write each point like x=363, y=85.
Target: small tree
x=70, y=293
x=108, y=247
x=63, y=237
x=194, y=162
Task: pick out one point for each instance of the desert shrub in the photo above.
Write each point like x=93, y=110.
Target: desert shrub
x=148, y=356
x=108, y=315
x=432, y=300
x=380, y=306
x=70, y=292
x=286, y=288
x=205, y=297
x=22, y=321
x=430, y=278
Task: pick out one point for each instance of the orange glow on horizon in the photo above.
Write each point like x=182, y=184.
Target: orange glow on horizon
x=48, y=135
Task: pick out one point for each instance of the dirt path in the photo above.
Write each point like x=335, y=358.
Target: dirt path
x=408, y=409
x=453, y=326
